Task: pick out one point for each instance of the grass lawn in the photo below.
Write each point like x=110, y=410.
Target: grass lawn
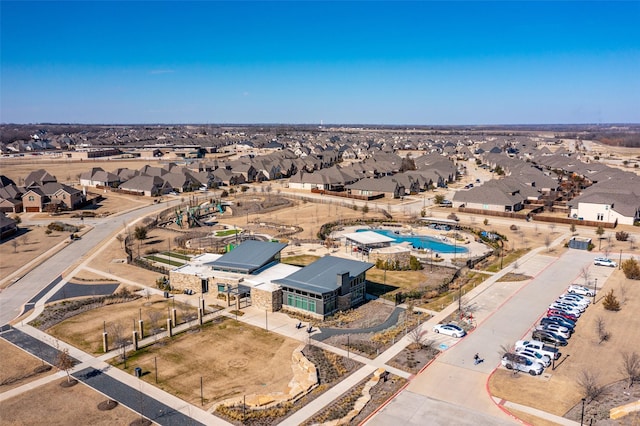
x=84, y=331
x=163, y=260
x=52, y=404
x=18, y=367
x=231, y=357
x=509, y=258
x=472, y=279
x=227, y=232
x=177, y=255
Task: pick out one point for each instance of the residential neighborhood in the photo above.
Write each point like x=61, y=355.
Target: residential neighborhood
x=398, y=254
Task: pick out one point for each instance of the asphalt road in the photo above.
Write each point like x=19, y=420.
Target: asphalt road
x=14, y=297
x=151, y=408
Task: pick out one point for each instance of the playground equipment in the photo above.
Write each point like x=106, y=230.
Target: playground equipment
x=192, y=216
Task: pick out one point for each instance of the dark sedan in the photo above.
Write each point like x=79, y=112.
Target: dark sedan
x=549, y=337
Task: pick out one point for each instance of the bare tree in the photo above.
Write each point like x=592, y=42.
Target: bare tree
x=589, y=383
x=601, y=328
x=120, y=239
x=552, y=227
x=25, y=239
x=547, y=242
x=584, y=273
x=607, y=250
x=630, y=366
x=417, y=337
x=506, y=349
x=154, y=318
x=65, y=363
x=15, y=243
x=117, y=332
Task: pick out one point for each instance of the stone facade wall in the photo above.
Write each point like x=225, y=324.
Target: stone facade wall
x=264, y=299
x=403, y=258
x=185, y=281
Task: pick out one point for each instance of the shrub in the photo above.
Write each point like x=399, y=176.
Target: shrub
x=485, y=221
x=513, y=227
x=610, y=302
x=414, y=263
x=622, y=236
x=631, y=269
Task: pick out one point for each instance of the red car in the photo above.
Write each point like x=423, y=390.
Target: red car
x=563, y=314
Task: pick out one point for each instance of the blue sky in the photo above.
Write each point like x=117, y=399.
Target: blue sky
x=422, y=63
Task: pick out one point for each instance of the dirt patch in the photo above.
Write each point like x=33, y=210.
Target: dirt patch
x=413, y=359
x=583, y=353
x=59, y=406
x=18, y=367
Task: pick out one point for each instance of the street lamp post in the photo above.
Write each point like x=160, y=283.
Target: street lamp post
x=582, y=414
x=595, y=290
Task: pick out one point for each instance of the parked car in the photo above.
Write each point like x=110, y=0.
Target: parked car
x=575, y=310
x=513, y=361
x=549, y=337
x=173, y=193
x=555, y=328
x=580, y=289
x=449, y=329
x=576, y=297
x=561, y=313
x=604, y=261
x=577, y=305
x=540, y=347
x=560, y=321
x=534, y=356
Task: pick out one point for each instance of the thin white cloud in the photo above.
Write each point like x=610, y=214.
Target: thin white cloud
x=161, y=71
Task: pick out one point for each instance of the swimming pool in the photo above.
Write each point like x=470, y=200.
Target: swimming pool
x=421, y=241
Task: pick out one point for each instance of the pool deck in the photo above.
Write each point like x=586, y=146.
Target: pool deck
x=473, y=247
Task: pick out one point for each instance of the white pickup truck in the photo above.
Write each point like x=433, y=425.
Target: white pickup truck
x=540, y=347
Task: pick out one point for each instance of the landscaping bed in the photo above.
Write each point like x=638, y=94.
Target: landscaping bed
x=380, y=393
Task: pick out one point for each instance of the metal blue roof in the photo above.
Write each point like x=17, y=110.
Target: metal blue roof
x=249, y=256
x=321, y=276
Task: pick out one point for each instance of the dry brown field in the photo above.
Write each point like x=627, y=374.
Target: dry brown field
x=583, y=353
x=65, y=170
x=84, y=331
x=32, y=242
x=18, y=367
x=231, y=357
x=52, y=404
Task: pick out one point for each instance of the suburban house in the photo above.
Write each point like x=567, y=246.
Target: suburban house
x=98, y=177
x=500, y=195
x=34, y=200
x=613, y=201
x=151, y=186
x=8, y=226
x=389, y=186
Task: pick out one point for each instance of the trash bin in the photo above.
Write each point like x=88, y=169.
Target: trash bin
x=166, y=294
x=138, y=372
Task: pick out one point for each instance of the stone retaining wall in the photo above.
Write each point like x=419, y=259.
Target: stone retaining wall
x=305, y=379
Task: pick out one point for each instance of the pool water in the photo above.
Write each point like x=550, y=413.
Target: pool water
x=421, y=242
